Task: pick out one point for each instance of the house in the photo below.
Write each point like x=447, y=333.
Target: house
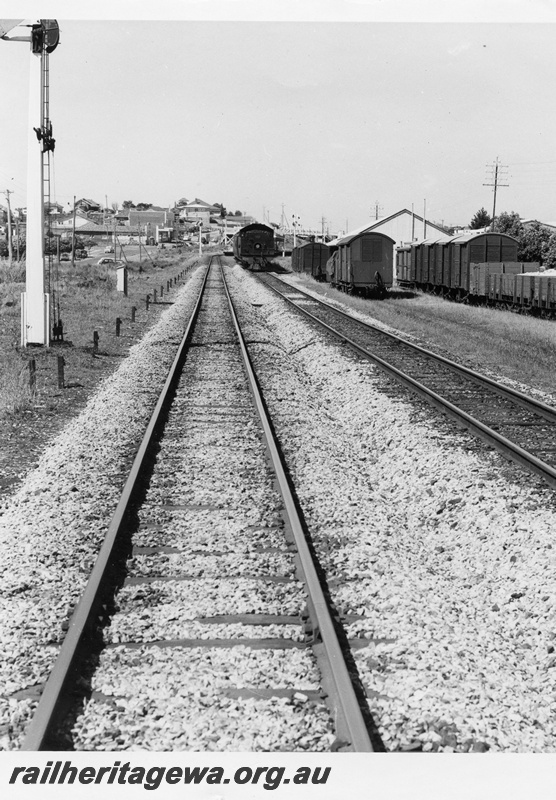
x=550, y=226
x=198, y=210
x=152, y=217
x=65, y=222
x=53, y=209
x=84, y=205
x=93, y=230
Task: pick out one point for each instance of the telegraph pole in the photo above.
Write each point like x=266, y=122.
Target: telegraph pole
x=17, y=235
x=73, y=236
x=496, y=175
x=8, y=193
x=377, y=209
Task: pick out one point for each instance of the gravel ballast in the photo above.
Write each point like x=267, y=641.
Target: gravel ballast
x=450, y=564
x=444, y=552
x=211, y=458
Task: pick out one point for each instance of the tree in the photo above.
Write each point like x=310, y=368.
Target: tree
x=482, y=219
x=509, y=223
x=223, y=211
x=550, y=253
x=143, y=206
x=534, y=243
x=127, y=204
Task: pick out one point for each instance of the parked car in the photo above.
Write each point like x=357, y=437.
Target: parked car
x=114, y=261
x=109, y=249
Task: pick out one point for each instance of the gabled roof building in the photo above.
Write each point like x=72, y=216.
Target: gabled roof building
x=198, y=209
x=404, y=226
x=86, y=205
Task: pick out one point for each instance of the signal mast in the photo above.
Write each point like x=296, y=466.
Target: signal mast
x=44, y=36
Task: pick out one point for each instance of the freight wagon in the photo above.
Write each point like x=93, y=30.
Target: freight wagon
x=311, y=258
x=479, y=268
x=362, y=263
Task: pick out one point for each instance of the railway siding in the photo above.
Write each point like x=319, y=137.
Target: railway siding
x=442, y=550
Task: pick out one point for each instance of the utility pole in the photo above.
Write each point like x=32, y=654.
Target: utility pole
x=17, y=235
x=377, y=209
x=496, y=175
x=73, y=236
x=8, y=193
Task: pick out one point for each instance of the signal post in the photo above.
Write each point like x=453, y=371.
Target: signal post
x=35, y=306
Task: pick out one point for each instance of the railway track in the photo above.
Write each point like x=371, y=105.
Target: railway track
x=204, y=624
x=520, y=427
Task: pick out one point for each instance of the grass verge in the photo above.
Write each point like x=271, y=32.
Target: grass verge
x=88, y=301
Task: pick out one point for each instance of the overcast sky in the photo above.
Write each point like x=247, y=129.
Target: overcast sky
x=329, y=113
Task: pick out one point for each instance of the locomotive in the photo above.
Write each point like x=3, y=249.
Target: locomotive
x=477, y=268
x=362, y=263
x=253, y=245
x=311, y=258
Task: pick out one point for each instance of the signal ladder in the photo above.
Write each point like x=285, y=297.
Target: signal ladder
x=47, y=149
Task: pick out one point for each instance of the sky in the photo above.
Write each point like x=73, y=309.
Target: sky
x=334, y=112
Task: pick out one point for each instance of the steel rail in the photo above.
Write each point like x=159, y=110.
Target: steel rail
x=44, y=718
x=501, y=443
x=543, y=409
x=353, y=721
